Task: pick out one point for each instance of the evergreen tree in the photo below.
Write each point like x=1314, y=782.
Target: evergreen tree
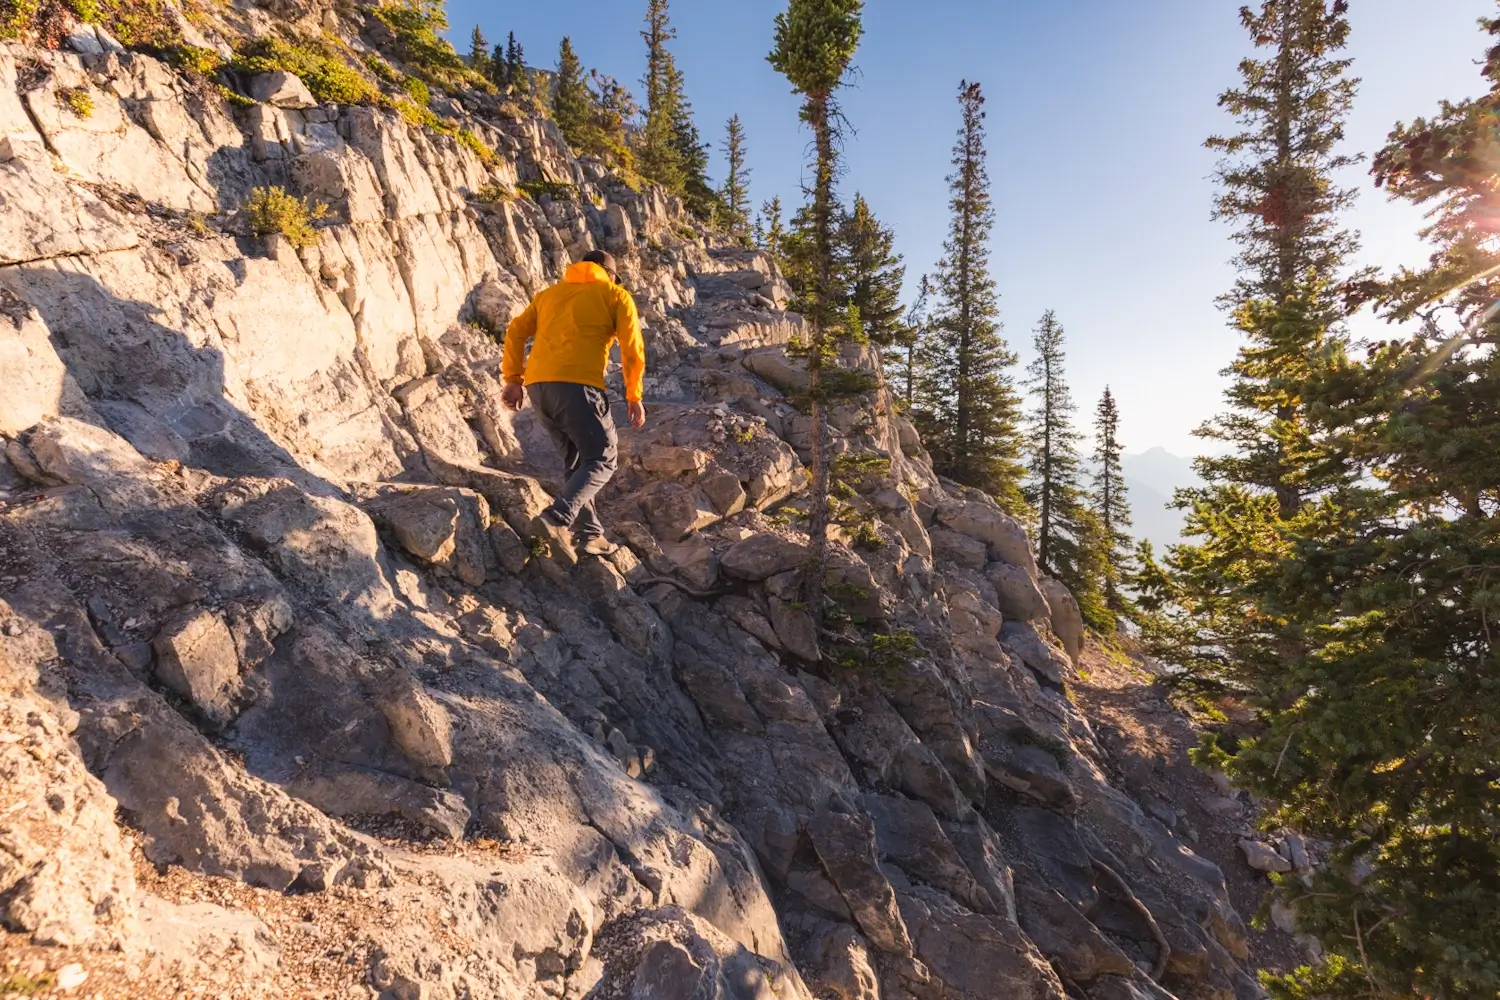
x=658, y=156
x=1111, y=506
x=515, y=66
x=1231, y=618
x=1276, y=186
x=499, y=68
x=815, y=45
x=613, y=107
x=479, y=53
x=697, y=193
x=1383, y=737
x=572, y=104
x=736, y=192
x=967, y=405
x=873, y=272
x=901, y=359
x=769, y=231
x=1066, y=528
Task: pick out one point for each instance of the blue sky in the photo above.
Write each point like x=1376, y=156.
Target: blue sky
x=1097, y=114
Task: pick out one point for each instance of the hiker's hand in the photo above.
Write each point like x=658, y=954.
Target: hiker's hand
x=513, y=396
x=637, y=412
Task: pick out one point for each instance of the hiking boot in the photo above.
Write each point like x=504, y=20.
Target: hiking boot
x=554, y=537
x=600, y=546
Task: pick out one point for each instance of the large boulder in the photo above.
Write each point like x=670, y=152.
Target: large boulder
x=1003, y=534
x=764, y=555
x=1065, y=616
x=1020, y=599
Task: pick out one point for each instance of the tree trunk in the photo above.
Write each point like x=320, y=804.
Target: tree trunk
x=817, y=529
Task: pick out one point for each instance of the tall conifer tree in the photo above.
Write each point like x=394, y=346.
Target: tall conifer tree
x=901, y=360
x=736, y=193
x=770, y=231
x=873, y=272
x=658, y=156
x=1381, y=734
x=479, y=52
x=815, y=45
x=1054, y=484
x=1111, y=505
x=572, y=104
x=1230, y=615
x=967, y=405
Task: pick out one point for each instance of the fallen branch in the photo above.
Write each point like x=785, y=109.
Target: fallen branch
x=1164, y=950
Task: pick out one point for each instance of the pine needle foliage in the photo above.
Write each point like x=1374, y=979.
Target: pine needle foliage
x=967, y=405
x=815, y=42
x=873, y=271
x=1111, y=506
x=1067, y=531
x=735, y=195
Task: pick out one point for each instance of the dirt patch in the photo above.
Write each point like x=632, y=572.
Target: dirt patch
x=1147, y=738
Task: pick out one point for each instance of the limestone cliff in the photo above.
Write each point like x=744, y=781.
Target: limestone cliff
x=266, y=619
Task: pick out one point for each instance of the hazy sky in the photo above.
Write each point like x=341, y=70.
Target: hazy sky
x=1097, y=114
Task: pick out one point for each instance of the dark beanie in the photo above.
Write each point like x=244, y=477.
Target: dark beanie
x=601, y=258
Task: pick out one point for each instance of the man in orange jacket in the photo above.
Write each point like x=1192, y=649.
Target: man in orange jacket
x=573, y=324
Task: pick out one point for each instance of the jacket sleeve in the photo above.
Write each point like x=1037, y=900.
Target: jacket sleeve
x=632, y=347
x=513, y=360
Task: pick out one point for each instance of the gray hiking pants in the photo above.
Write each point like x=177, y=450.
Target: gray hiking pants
x=578, y=418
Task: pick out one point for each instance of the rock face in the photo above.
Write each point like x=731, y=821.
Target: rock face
x=263, y=591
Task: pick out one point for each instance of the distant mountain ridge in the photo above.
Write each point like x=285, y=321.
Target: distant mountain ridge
x=1153, y=477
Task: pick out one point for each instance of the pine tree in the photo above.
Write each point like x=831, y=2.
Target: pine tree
x=1233, y=619
x=657, y=154
x=736, y=192
x=697, y=193
x=873, y=272
x=612, y=109
x=769, y=231
x=499, y=69
x=572, y=104
x=901, y=360
x=1111, y=505
x=479, y=53
x=515, y=66
x=1383, y=737
x=815, y=45
x=967, y=405
x=1066, y=529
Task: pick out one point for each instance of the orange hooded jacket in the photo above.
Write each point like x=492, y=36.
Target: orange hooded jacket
x=574, y=323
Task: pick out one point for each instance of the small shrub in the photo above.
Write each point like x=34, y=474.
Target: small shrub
x=78, y=100
x=27, y=986
x=330, y=79
x=417, y=25
x=382, y=70
x=141, y=24
x=687, y=233
x=537, y=190
x=867, y=536
x=476, y=145
x=884, y=655
x=414, y=114
x=195, y=60
x=493, y=193
x=234, y=97
x=198, y=223
x=417, y=90
x=273, y=210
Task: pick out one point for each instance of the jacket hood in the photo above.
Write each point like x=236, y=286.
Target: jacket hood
x=584, y=272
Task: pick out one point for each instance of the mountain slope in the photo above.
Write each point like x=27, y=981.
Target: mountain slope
x=267, y=619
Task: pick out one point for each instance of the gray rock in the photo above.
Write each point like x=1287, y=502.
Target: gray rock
x=1263, y=857
x=1019, y=597
x=959, y=549
x=1002, y=533
x=419, y=725
x=1023, y=639
x=1065, y=617
x=281, y=89
x=764, y=555
x=196, y=657
x=846, y=845
x=794, y=627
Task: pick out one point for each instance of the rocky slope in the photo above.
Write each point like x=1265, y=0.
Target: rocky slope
x=266, y=619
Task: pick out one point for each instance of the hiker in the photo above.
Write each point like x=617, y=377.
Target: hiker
x=573, y=325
